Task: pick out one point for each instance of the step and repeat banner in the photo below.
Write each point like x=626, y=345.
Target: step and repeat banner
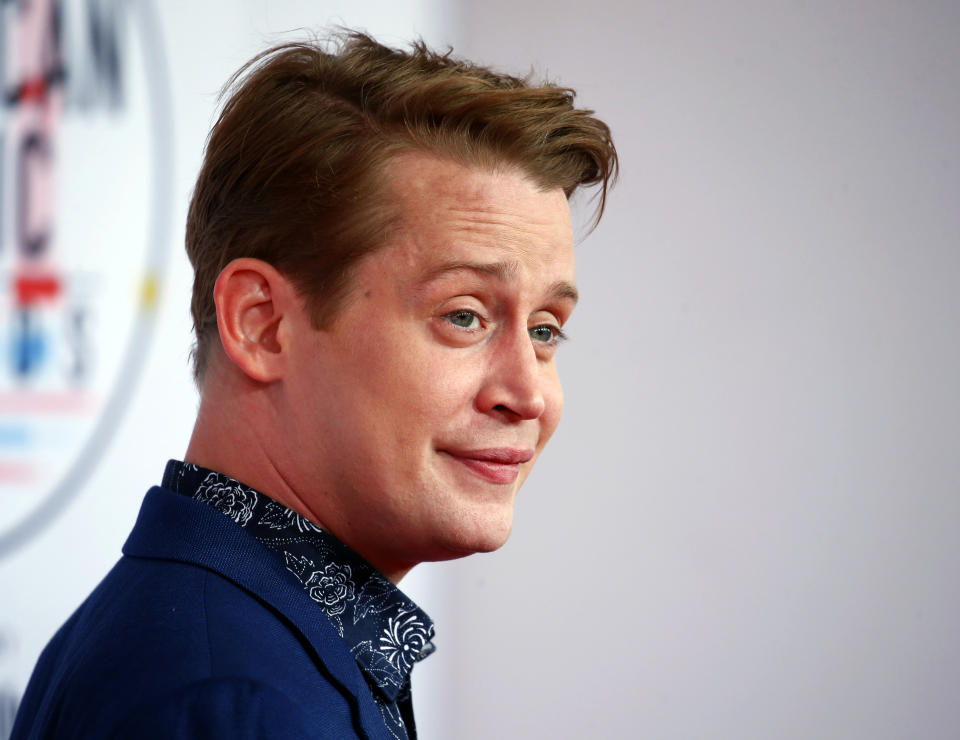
x=85, y=222
x=85, y=234
x=105, y=108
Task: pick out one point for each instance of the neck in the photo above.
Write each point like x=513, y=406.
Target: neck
x=236, y=433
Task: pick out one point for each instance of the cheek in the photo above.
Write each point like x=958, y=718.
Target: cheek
x=448, y=386
x=419, y=390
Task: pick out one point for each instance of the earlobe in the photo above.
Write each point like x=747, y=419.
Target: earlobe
x=252, y=298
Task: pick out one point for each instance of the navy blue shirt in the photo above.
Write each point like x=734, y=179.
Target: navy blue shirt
x=387, y=633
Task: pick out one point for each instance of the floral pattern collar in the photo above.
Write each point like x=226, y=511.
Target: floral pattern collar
x=386, y=632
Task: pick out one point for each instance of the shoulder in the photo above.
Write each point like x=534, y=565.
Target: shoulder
x=238, y=709
x=192, y=652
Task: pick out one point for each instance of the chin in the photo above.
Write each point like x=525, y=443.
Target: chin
x=485, y=532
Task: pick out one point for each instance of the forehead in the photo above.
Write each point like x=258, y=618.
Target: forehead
x=449, y=212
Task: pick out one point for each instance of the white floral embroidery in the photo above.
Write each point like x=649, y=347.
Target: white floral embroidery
x=332, y=588
x=228, y=496
x=276, y=516
x=402, y=640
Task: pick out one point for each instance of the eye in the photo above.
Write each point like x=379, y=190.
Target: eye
x=463, y=319
x=547, y=334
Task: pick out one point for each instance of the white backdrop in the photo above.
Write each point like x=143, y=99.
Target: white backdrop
x=44, y=581
x=748, y=525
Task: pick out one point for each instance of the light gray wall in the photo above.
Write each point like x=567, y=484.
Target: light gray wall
x=748, y=525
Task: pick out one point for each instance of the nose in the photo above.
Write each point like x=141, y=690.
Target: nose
x=513, y=385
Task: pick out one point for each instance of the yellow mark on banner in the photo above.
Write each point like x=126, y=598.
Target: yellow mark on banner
x=149, y=291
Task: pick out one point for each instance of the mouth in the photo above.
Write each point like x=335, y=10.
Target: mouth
x=498, y=465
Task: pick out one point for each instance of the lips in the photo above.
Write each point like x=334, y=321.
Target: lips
x=499, y=465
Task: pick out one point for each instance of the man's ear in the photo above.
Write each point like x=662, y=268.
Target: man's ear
x=253, y=299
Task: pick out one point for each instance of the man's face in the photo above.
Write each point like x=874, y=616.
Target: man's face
x=415, y=418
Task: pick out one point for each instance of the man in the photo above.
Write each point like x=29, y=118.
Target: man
x=383, y=266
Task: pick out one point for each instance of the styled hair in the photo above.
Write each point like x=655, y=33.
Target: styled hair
x=294, y=167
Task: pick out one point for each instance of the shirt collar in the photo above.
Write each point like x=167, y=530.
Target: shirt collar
x=387, y=632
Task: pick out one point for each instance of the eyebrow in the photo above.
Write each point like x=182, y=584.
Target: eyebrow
x=501, y=271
